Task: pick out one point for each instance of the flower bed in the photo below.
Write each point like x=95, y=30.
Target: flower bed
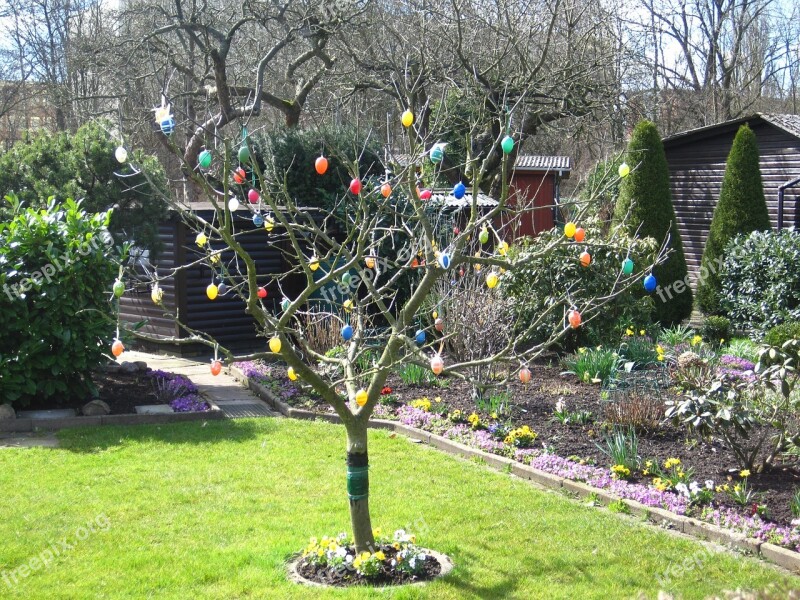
x=178, y=391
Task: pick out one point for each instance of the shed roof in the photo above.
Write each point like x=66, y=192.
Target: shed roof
x=536, y=162
x=450, y=201
x=787, y=122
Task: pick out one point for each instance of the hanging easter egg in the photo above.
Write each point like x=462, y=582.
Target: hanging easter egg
x=580, y=234
x=435, y=314
x=201, y=239
x=204, y=159
x=355, y=186
x=570, y=229
x=262, y=292
x=586, y=259
x=121, y=154
x=574, y=318
x=258, y=220
x=491, y=280
x=239, y=176
x=407, y=119
x=483, y=236
x=347, y=278
x=212, y=291
x=624, y=170
x=347, y=333
x=650, y=283
x=361, y=397
x=419, y=337
x=444, y=260
x=524, y=374
x=414, y=262
x=459, y=190
x=461, y=271
x=347, y=305
x=244, y=154
x=253, y=196
x=321, y=165
x=292, y=375
x=370, y=262
x=386, y=190
x=117, y=348
x=233, y=204
x=627, y=266
x=214, y=258
x=216, y=368
x=119, y=288
x=313, y=263
x=285, y=304
x=269, y=224
x=507, y=144
x=437, y=365
x=275, y=344
x=222, y=288
x=456, y=230
x=502, y=248
x=156, y=294
x=425, y=195
x=438, y=323
x=437, y=153
x=167, y=126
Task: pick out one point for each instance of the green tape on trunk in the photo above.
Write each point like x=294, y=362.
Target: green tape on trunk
x=357, y=482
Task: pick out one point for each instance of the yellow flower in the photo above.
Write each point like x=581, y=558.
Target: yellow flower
x=494, y=415
x=696, y=340
x=744, y=473
x=357, y=562
x=474, y=420
x=641, y=332
x=365, y=555
x=672, y=462
x=437, y=399
x=722, y=340
x=581, y=350
x=320, y=552
x=629, y=331
x=380, y=555
x=396, y=545
x=376, y=532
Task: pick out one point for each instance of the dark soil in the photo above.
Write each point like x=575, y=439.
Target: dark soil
x=347, y=577
x=533, y=404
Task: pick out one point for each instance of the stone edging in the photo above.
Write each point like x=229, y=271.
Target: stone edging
x=706, y=531
x=445, y=563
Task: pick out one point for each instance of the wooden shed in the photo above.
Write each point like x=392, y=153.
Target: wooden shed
x=536, y=183
x=697, y=165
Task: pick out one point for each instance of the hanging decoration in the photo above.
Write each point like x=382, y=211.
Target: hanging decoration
x=586, y=259
x=355, y=186
x=459, y=191
x=525, y=375
x=627, y=266
x=425, y=194
x=244, y=154
x=456, y=230
x=407, y=119
x=347, y=305
x=258, y=220
x=201, y=239
x=650, y=283
x=507, y=144
x=370, y=262
x=444, y=260
x=437, y=153
x=386, y=190
x=216, y=367
x=437, y=364
x=253, y=196
x=262, y=292
x=574, y=318
x=321, y=165
x=624, y=170
x=347, y=333
x=491, y=280
x=156, y=294
x=419, y=337
x=121, y=154
x=119, y=288
x=269, y=224
x=204, y=159
x=347, y=278
x=222, y=288
x=313, y=263
x=580, y=234
x=212, y=291
x=285, y=304
x=435, y=314
x=233, y=204
x=291, y=373
x=117, y=348
x=483, y=236
x=438, y=323
x=502, y=248
x=361, y=397
x=275, y=344
x=239, y=176
x=570, y=229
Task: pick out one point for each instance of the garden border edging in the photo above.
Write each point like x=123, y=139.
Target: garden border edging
x=778, y=555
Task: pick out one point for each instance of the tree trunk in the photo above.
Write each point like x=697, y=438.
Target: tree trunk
x=358, y=486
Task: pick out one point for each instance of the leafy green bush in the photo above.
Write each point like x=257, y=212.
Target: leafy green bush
x=760, y=279
x=539, y=285
x=780, y=334
x=55, y=282
x=745, y=348
x=638, y=349
x=600, y=191
x=716, y=330
x=741, y=209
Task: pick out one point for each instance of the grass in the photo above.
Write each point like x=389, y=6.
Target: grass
x=214, y=510
x=595, y=364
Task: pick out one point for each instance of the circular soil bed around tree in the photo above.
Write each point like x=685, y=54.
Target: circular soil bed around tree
x=436, y=565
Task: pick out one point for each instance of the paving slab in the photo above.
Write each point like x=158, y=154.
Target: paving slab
x=61, y=413
x=154, y=409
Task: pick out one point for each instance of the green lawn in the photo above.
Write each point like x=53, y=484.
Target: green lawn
x=213, y=511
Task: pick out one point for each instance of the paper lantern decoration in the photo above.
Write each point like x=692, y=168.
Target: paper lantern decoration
x=262, y=292
x=258, y=220
x=459, y=190
x=507, y=144
x=222, y=288
x=502, y=248
x=216, y=368
x=253, y=196
x=347, y=333
x=355, y=186
x=580, y=234
x=386, y=190
x=347, y=305
x=285, y=304
x=291, y=373
x=275, y=344
x=119, y=288
x=212, y=291
x=437, y=365
x=437, y=153
x=444, y=260
x=419, y=337
x=407, y=119
x=624, y=170
x=201, y=239
x=321, y=165
x=425, y=195
x=239, y=176
x=491, y=280
x=156, y=294
x=483, y=236
x=313, y=263
x=586, y=259
x=204, y=159
x=438, y=323
x=370, y=262
x=121, y=154
x=361, y=397
x=570, y=229
x=167, y=125
x=574, y=318
x=524, y=374
x=650, y=283
x=117, y=348
x=627, y=266
x=269, y=224
x=244, y=154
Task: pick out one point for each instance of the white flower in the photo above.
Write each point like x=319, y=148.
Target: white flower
x=348, y=559
x=412, y=562
x=422, y=557
x=341, y=552
x=560, y=406
x=694, y=487
x=796, y=522
x=682, y=489
x=709, y=484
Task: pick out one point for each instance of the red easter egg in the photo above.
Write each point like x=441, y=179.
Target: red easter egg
x=355, y=186
x=386, y=190
x=586, y=259
x=117, y=348
x=262, y=292
x=574, y=318
x=321, y=165
x=253, y=196
x=216, y=368
x=239, y=175
x=580, y=234
x=425, y=195
x=524, y=374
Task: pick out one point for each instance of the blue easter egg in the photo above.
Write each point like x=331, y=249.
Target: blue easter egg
x=444, y=260
x=420, y=337
x=258, y=220
x=347, y=333
x=459, y=190
x=649, y=283
x=168, y=126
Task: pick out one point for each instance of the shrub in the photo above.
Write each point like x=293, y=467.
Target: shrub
x=600, y=191
x=676, y=335
x=780, y=334
x=638, y=350
x=56, y=282
x=716, y=330
x=596, y=365
x=692, y=371
x=760, y=279
x=741, y=209
x=635, y=409
x=745, y=348
x=645, y=206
